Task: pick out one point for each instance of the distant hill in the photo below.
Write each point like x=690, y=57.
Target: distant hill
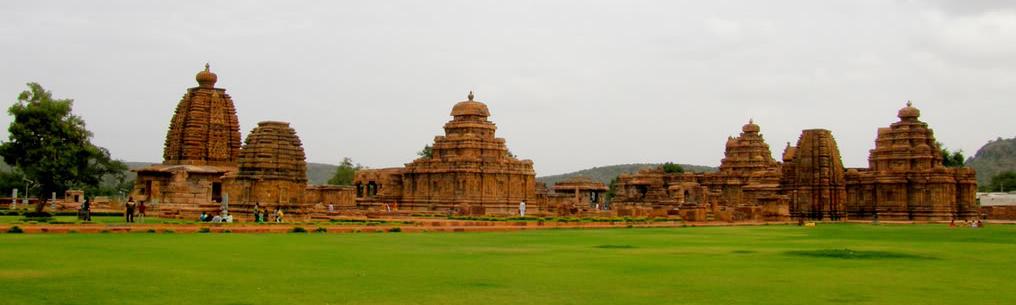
x=317, y=173
x=993, y=158
x=606, y=173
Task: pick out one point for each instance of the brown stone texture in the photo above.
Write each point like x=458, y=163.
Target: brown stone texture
x=272, y=167
x=905, y=178
x=469, y=168
x=205, y=129
x=746, y=188
x=813, y=176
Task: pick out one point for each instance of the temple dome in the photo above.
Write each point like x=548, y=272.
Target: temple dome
x=750, y=127
x=470, y=107
x=273, y=151
x=206, y=78
x=909, y=112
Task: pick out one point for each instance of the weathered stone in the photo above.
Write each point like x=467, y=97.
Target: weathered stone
x=204, y=130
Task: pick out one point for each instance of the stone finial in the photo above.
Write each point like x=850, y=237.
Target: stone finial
x=909, y=104
x=207, y=67
x=470, y=96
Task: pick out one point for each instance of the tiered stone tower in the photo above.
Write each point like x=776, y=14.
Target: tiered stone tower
x=469, y=171
x=905, y=178
x=748, y=152
x=813, y=176
x=204, y=129
x=272, y=166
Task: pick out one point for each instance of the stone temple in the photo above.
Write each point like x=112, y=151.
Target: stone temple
x=905, y=180
x=204, y=166
x=469, y=171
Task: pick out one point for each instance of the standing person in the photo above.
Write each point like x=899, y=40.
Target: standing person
x=129, y=209
x=86, y=210
x=264, y=214
x=278, y=215
x=141, y=211
x=257, y=211
x=331, y=208
x=522, y=208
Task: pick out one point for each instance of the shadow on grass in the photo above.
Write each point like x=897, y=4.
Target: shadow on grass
x=615, y=247
x=854, y=254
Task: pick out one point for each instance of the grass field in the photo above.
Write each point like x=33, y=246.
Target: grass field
x=830, y=264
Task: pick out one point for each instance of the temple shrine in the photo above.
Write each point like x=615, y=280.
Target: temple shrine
x=469, y=171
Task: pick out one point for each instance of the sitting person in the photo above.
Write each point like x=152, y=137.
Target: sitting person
x=217, y=219
x=228, y=218
x=203, y=217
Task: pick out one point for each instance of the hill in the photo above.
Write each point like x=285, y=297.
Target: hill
x=606, y=173
x=993, y=158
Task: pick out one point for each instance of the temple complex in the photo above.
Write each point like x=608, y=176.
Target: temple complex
x=905, y=180
x=272, y=166
x=469, y=171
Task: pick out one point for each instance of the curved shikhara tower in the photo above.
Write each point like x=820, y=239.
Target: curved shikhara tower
x=204, y=130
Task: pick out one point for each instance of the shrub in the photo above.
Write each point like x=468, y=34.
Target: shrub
x=204, y=230
x=168, y=231
x=15, y=230
x=150, y=231
x=104, y=231
x=321, y=230
x=227, y=231
x=395, y=229
x=298, y=230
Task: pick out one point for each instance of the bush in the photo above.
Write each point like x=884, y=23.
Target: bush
x=298, y=230
x=204, y=230
x=168, y=231
x=150, y=231
x=321, y=230
x=395, y=229
x=227, y=231
x=104, y=231
x=15, y=230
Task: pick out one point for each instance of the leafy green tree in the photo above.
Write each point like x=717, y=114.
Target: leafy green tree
x=426, y=152
x=345, y=173
x=611, y=190
x=1004, y=182
x=952, y=159
x=51, y=146
x=672, y=168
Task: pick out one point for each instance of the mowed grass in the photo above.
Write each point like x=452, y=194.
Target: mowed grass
x=829, y=264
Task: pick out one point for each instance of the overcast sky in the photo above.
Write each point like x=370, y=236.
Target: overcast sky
x=570, y=84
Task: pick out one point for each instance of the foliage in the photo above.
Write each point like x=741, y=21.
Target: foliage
x=51, y=146
x=952, y=159
x=611, y=190
x=1004, y=182
x=345, y=173
x=298, y=230
x=204, y=230
x=672, y=168
x=15, y=230
x=427, y=152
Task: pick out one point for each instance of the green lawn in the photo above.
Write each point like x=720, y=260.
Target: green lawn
x=889, y=264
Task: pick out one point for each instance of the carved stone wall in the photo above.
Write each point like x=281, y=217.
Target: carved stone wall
x=204, y=129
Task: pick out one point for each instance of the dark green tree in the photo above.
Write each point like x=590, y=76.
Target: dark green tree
x=50, y=146
x=344, y=173
x=611, y=190
x=672, y=168
x=1003, y=182
x=426, y=152
x=952, y=159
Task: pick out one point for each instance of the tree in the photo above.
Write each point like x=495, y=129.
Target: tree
x=672, y=168
x=952, y=159
x=345, y=172
x=611, y=191
x=1003, y=182
x=427, y=152
x=50, y=145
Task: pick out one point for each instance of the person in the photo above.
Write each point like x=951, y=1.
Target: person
x=278, y=215
x=388, y=208
x=86, y=210
x=978, y=224
x=331, y=208
x=228, y=218
x=141, y=211
x=952, y=223
x=129, y=213
x=217, y=218
x=264, y=214
x=256, y=211
x=522, y=208
x=203, y=217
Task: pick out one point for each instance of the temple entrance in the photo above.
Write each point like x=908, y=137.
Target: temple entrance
x=216, y=191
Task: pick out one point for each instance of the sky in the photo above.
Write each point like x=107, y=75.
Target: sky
x=570, y=84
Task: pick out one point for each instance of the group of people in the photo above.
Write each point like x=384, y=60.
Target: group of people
x=222, y=217
x=968, y=223
x=261, y=214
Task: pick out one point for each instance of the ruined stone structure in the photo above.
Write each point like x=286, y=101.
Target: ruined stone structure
x=469, y=170
x=905, y=180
